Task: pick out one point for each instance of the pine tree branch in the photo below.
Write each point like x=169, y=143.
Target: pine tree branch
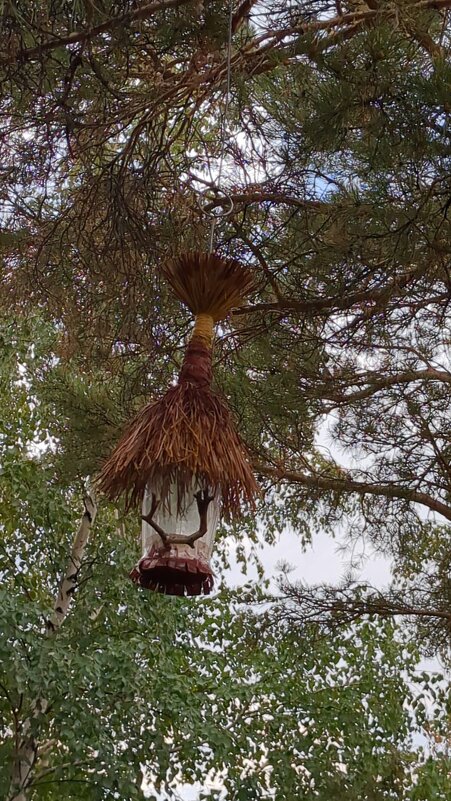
x=242, y=14
x=262, y=196
x=269, y=39
x=342, y=302
x=350, y=24
x=376, y=383
x=331, y=607
x=352, y=487
x=140, y=13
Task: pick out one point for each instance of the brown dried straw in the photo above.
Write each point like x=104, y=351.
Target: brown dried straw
x=188, y=432
x=209, y=284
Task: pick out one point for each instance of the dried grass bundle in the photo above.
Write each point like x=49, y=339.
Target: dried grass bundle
x=188, y=432
x=209, y=284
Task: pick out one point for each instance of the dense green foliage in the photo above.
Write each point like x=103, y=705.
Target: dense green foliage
x=209, y=692
x=337, y=159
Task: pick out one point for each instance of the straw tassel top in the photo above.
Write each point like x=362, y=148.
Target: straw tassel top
x=208, y=284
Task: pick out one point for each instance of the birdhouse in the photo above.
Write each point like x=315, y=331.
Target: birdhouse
x=181, y=457
x=178, y=563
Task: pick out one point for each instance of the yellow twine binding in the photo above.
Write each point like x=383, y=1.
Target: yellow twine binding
x=204, y=328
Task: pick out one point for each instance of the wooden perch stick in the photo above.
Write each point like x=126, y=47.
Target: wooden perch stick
x=203, y=501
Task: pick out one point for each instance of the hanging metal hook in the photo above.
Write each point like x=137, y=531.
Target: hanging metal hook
x=223, y=214
x=217, y=208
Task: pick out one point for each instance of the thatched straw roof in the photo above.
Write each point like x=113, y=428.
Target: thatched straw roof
x=188, y=432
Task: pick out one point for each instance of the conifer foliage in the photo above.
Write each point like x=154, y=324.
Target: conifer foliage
x=336, y=190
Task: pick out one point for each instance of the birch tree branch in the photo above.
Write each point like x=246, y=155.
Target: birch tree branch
x=27, y=745
x=69, y=582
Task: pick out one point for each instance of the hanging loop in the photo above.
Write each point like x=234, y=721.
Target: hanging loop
x=217, y=206
x=223, y=130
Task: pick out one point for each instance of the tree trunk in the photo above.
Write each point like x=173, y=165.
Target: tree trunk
x=26, y=751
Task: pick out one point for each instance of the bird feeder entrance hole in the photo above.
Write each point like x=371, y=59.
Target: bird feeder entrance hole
x=177, y=539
